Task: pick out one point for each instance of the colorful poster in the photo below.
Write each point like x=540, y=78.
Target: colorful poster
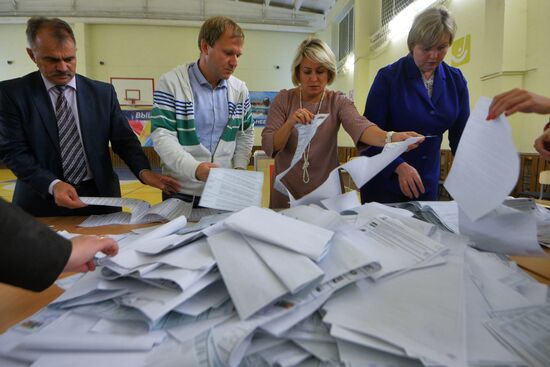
x=260, y=102
x=140, y=121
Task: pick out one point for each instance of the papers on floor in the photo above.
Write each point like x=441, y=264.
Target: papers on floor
x=486, y=166
x=141, y=211
x=232, y=189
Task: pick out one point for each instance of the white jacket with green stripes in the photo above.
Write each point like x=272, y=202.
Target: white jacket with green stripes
x=174, y=136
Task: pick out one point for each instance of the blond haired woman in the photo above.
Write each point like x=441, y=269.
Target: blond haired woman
x=314, y=68
x=422, y=93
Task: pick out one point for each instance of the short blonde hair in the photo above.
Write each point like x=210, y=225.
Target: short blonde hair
x=429, y=26
x=317, y=51
x=213, y=28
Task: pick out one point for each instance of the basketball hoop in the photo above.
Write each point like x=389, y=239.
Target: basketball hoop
x=132, y=96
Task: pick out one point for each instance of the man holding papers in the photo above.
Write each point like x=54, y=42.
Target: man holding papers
x=201, y=115
x=314, y=67
x=56, y=128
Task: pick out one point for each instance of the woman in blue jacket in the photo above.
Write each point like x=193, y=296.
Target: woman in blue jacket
x=419, y=93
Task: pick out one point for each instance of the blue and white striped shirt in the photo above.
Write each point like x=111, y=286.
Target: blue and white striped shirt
x=211, y=108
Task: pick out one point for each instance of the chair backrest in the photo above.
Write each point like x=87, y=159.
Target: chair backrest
x=544, y=177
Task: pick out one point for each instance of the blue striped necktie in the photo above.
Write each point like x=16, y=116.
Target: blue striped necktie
x=72, y=152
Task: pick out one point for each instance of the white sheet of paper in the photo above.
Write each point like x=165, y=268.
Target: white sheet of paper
x=316, y=215
x=397, y=247
x=361, y=170
x=232, y=189
x=141, y=211
x=251, y=284
x=193, y=256
x=280, y=230
x=365, y=340
x=345, y=256
x=212, y=296
x=526, y=332
x=188, y=331
x=294, y=270
x=482, y=347
x=447, y=211
x=504, y=230
x=305, y=134
x=356, y=354
x=231, y=338
x=369, y=211
x=156, y=302
x=328, y=189
x=486, y=165
x=496, y=280
x=431, y=317
x=161, y=231
x=342, y=202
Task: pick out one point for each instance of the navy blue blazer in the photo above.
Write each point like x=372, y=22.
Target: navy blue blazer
x=29, y=143
x=399, y=101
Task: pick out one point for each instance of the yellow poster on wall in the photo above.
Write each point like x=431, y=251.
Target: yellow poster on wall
x=460, y=51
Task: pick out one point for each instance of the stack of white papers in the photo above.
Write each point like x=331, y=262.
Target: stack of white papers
x=141, y=211
x=303, y=286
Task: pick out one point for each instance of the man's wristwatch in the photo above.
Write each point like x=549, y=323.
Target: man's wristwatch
x=389, y=135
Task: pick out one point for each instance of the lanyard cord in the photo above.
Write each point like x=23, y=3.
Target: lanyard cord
x=305, y=166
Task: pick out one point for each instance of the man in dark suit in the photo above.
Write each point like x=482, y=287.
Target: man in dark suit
x=32, y=255
x=55, y=130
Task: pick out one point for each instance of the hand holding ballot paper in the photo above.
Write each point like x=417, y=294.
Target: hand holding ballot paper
x=480, y=187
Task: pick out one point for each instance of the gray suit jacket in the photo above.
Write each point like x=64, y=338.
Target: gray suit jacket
x=29, y=143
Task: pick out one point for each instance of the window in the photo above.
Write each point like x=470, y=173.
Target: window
x=345, y=35
x=390, y=8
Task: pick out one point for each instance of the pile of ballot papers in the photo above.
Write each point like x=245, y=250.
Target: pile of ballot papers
x=343, y=285
x=306, y=286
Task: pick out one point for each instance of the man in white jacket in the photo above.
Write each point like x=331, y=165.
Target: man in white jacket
x=201, y=115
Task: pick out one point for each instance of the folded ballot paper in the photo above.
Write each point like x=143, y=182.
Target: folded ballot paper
x=140, y=211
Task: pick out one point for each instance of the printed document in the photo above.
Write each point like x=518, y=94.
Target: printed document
x=232, y=189
x=141, y=211
x=486, y=164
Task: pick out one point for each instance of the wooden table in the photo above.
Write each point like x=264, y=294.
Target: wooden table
x=537, y=267
x=17, y=304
